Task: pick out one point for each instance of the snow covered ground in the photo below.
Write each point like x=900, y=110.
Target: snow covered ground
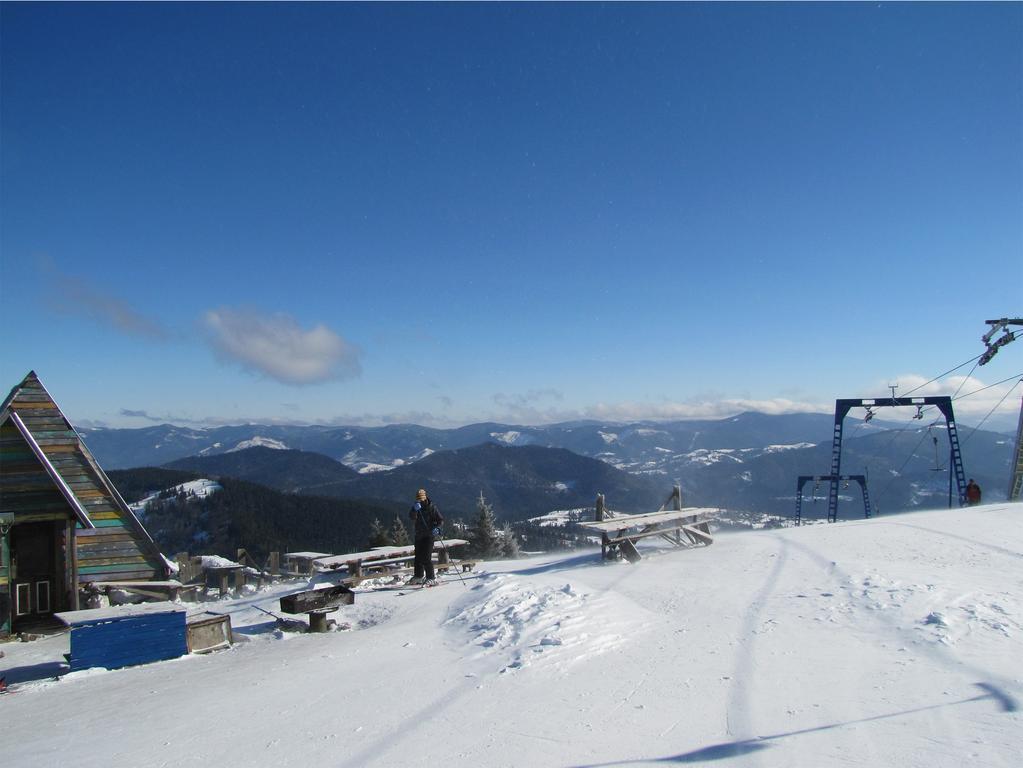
x=200, y=489
x=888, y=642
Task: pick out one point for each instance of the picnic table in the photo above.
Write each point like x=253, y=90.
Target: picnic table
x=301, y=563
x=685, y=527
x=391, y=560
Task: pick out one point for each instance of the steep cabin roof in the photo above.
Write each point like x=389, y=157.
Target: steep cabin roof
x=46, y=469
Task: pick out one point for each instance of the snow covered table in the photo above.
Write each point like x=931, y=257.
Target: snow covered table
x=682, y=527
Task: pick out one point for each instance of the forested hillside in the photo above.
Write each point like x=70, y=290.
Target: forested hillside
x=244, y=514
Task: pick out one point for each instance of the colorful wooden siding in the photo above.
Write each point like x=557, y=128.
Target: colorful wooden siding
x=118, y=548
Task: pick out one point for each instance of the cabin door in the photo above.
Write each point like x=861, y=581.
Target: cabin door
x=34, y=566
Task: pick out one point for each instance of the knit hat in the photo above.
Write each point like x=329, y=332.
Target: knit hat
x=421, y=494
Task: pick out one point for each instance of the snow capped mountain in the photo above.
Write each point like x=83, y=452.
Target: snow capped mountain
x=259, y=442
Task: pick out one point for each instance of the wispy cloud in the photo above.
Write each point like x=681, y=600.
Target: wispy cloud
x=79, y=297
x=144, y=415
x=274, y=345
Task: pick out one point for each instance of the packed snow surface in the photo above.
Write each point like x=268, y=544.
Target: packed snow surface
x=894, y=641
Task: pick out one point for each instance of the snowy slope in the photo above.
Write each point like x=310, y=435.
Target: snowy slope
x=893, y=641
x=200, y=489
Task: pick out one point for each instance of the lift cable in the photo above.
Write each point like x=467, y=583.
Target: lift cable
x=978, y=391
x=912, y=453
x=997, y=406
x=946, y=373
x=935, y=422
x=974, y=360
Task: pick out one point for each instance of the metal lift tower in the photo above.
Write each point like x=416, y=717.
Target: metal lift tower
x=842, y=407
x=1016, y=476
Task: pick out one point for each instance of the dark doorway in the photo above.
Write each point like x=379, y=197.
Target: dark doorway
x=35, y=586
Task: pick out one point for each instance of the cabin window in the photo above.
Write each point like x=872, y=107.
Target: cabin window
x=42, y=597
x=23, y=600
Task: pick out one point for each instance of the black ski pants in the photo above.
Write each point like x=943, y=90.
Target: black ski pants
x=423, y=562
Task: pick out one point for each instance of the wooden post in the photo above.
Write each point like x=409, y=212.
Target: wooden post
x=275, y=563
x=224, y=583
x=318, y=622
x=72, y=554
x=239, y=580
x=184, y=567
x=599, y=515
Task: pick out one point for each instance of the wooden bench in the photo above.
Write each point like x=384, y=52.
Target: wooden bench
x=317, y=603
x=159, y=590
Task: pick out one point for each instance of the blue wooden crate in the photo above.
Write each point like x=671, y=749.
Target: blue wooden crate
x=125, y=636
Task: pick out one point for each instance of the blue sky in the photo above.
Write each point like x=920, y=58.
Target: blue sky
x=346, y=213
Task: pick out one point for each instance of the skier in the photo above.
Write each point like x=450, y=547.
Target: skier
x=972, y=493
x=427, y=521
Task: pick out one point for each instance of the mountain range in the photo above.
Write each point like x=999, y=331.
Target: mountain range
x=747, y=462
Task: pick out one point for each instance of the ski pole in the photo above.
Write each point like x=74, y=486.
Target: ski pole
x=447, y=555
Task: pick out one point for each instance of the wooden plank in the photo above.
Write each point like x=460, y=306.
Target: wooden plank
x=86, y=561
x=112, y=569
x=100, y=548
x=629, y=551
x=696, y=533
x=87, y=577
x=95, y=515
x=380, y=553
x=86, y=535
x=208, y=632
x=108, y=523
x=626, y=522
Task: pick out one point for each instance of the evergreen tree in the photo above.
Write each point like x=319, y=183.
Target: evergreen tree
x=484, y=539
x=509, y=543
x=378, y=537
x=399, y=533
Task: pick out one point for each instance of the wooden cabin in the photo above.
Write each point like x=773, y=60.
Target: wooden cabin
x=63, y=522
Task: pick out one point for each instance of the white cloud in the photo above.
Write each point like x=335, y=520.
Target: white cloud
x=525, y=409
x=704, y=409
x=972, y=398
x=277, y=347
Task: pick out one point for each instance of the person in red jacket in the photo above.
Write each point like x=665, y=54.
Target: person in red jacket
x=972, y=493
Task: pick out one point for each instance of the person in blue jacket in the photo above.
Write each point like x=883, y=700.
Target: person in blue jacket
x=426, y=521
